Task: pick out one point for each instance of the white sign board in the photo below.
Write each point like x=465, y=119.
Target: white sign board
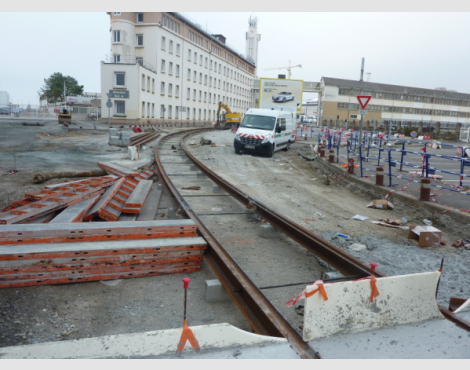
x=465, y=133
x=280, y=94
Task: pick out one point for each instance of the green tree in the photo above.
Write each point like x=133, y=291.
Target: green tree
x=53, y=89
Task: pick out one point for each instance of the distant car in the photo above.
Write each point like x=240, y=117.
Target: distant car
x=282, y=97
x=4, y=111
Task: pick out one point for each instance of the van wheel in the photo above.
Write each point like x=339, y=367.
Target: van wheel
x=287, y=146
x=271, y=152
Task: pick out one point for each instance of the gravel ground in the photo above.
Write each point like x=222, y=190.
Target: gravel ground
x=326, y=204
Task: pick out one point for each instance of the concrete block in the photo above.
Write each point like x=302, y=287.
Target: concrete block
x=216, y=189
x=215, y=292
x=171, y=213
x=333, y=275
x=267, y=231
x=192, y=167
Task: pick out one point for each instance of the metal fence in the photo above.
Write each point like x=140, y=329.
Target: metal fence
x=50, y=112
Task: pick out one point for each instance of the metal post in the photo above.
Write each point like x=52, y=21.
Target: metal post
x=360, y=132
x=109, y=116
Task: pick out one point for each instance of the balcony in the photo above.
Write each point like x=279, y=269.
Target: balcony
x=128, y=59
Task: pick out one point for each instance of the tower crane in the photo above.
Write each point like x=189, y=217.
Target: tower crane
x=288, y=69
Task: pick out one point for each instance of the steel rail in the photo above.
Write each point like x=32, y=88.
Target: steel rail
x=263, y=317
x=331, y=254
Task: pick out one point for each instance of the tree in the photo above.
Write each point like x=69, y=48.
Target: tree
x=53, y=89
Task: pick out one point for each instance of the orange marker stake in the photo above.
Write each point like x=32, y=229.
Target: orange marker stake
x=187, y=332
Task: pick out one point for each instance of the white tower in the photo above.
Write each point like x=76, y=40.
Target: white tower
x=252, y=39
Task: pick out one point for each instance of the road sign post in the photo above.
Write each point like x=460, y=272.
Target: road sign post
x=363, y=101
x=109, y=104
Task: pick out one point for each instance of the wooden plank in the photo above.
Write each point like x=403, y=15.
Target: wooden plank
x=76, y=250
x=99, y=277
x=150, y=206
x=139, y=195
x=95, y=231
x=104, y=200
x=39, y=208
x=75, y=212
x=96, y=271
x=115, y=169
x=57, y=264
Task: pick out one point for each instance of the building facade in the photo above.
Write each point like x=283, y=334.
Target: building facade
x=392, y=106
x=164, y=67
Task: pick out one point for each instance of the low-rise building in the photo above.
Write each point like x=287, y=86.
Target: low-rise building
x=392, y=106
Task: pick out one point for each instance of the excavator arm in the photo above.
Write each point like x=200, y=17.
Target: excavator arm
x=230, y=118
x=222, y=105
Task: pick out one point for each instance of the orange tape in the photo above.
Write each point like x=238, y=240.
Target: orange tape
x=375, y=292
x=188, y=335
x=322, y=292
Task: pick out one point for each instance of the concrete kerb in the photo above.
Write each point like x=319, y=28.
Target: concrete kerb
x=399, y=196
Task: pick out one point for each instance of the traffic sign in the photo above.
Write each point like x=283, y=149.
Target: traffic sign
x=363, y=111
x=109, y=104
x=363, y=100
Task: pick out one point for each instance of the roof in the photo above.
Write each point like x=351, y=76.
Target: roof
x=198, y=28
x=397, y=89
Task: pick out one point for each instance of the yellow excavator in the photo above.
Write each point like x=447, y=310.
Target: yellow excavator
x=228, y=119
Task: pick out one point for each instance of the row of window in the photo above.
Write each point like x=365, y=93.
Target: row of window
x=148, y=111
x=170, y=24
x=405, y=97
x=139, y=16
x=380, y=108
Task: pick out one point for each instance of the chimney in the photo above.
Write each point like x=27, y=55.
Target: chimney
x=362, y=70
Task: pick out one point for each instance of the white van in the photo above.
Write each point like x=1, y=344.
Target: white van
x=265, y=131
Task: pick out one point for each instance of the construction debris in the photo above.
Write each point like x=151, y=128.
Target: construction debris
x=40, y=178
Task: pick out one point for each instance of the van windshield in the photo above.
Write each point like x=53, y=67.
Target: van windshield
x=259, y=122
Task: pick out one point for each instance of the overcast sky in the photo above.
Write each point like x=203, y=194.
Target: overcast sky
x=414, y=49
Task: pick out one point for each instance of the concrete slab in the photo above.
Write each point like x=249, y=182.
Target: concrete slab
x=139, y=195
x=75, y=212
x=215, y=291
x=216, y=341
x=402, y=299
x=150, y=206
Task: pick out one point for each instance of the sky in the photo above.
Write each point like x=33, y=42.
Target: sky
x=425, y=50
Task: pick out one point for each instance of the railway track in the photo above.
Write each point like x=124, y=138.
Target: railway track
x=172, y=153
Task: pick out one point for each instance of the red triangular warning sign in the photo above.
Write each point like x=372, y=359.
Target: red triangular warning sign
x=363, y=100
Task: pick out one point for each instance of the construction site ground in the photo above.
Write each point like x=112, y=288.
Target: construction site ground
x=288, y=183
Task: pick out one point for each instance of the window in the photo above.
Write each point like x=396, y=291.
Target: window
x=178, y=49
x=163, y=43
x=210, y=96
x=162, y=111
x=143, y=109
x=194, y=113
x=220, y=67
x=170, y=89
x=117, y=58
x=170, y=47
x=120, y=107
x=205, y=79
x=199, y=114
x=194, y=94
x=162, y=88
x=170, y=111
x=153, y=86
x=140, y=17
x=188, y=111
x=148, y=84
x=177, y=70
x=210, y=81
x=195, y=58
x=117, y=13
x=194, y=76
x=200, y=95
x=200, y=78
x=204, y=114
x=163, y=66
x=153, y=110
x=117, y=37
x=170, y=68
x=148, y=110
x=177, y=91
x=205, y=97
x=140, y=40
x=210, y=65
x=120, y=79
x=189, y=54
x=176, y=111
x=188, y=93
x=189, y=74
x=224, y=70
x=205, y=63
x=139, y=60
x=200, y=60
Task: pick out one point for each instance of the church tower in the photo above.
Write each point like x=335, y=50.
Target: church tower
x=252, y=39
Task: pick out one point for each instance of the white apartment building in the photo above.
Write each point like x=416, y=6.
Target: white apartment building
x=164, y=67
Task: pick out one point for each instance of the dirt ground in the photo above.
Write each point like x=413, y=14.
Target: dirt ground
x=287, y=183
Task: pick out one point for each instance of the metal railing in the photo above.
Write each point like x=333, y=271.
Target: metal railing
x=128, y=59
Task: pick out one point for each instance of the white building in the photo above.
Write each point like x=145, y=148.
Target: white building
x=163, y=61
x=4, y=99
